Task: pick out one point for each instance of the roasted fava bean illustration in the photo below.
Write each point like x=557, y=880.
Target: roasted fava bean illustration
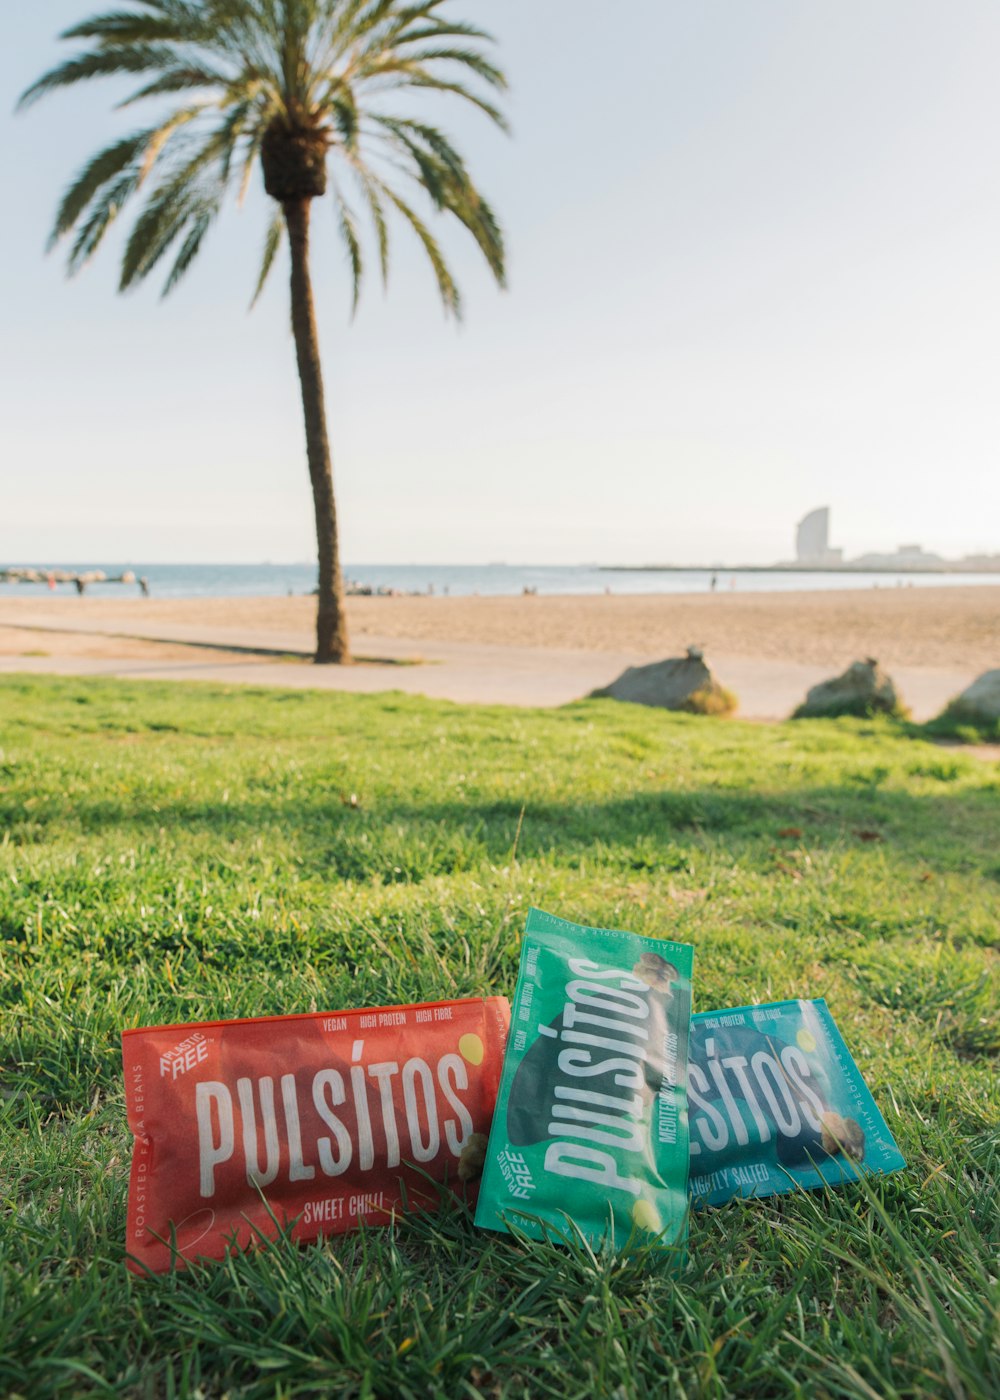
x=842, y=1135
x=470, y=1163
x=655, y=971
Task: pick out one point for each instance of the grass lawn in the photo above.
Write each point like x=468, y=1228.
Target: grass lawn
x=178, y=853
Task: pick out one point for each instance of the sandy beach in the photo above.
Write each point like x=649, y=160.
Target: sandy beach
x=529, y=650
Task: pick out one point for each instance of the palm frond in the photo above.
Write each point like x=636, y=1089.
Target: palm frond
x=440, y=29
x=460, y=90
x=176, y=80
x=390, y=61
x=473, y=212
x=432, y=172
x=200, y=224
x=346, y=118
x=228, y=137
x=450, y=295
x=104, y=167
x=128, y=27
x=182, y=199
x=272, y=243
x=349, y=233
x=371, y=194
x=100, y=63
x=357, y=18
x=102, y=214
x=410, y=132
x=411, y=76
x=251, y=155
x=163, y=218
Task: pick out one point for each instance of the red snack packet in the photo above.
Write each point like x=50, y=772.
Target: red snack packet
x=325, y=1113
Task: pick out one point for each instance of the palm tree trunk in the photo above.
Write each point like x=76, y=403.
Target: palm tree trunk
x=331, y=621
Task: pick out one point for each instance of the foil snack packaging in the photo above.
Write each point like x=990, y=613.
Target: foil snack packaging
x=325, y=1121
x=591, y=1120
x=776, y=1103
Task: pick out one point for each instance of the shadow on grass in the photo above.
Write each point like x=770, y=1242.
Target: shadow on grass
x=406, y=841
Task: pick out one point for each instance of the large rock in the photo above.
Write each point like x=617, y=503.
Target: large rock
x=979, y=703
x=680, y=683
x=863, y=690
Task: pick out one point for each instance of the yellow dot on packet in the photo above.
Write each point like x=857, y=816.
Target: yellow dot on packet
x=471, y=1048
x=805, y=1040
x=645, y=1216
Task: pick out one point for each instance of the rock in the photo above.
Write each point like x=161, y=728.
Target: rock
x=680, y=683
x=863, y=690
x=979, y=703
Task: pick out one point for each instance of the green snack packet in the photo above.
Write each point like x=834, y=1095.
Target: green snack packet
x=591, y=1118
x=776, y=1103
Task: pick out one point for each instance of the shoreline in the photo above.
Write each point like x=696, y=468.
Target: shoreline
x=188, y=583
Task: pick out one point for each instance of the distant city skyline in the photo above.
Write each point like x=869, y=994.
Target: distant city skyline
x=810, y=537
x=812, y=551
x=759, y=274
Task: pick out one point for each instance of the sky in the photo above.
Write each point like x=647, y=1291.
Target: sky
x=753, y=269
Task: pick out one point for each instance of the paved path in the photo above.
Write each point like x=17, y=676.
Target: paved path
x=444, y=670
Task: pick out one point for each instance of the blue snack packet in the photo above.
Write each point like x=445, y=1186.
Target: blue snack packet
x=776, y=1103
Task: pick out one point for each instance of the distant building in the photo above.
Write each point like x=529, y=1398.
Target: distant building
x=987, y=563
x=812, y=539
x=907, y=556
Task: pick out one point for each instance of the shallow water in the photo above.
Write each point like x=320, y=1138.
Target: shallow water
x=487, y=580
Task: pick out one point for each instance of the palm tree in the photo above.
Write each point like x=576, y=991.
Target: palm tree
x=308, y=88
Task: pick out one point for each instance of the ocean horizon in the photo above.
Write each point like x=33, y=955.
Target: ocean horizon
x=469, y=580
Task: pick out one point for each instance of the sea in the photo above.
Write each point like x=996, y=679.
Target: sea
x=474, y=580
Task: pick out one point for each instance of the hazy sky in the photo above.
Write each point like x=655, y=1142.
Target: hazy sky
x=754, y=268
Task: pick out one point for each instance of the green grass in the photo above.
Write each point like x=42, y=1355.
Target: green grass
x=178, y=853
x=956, y=722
